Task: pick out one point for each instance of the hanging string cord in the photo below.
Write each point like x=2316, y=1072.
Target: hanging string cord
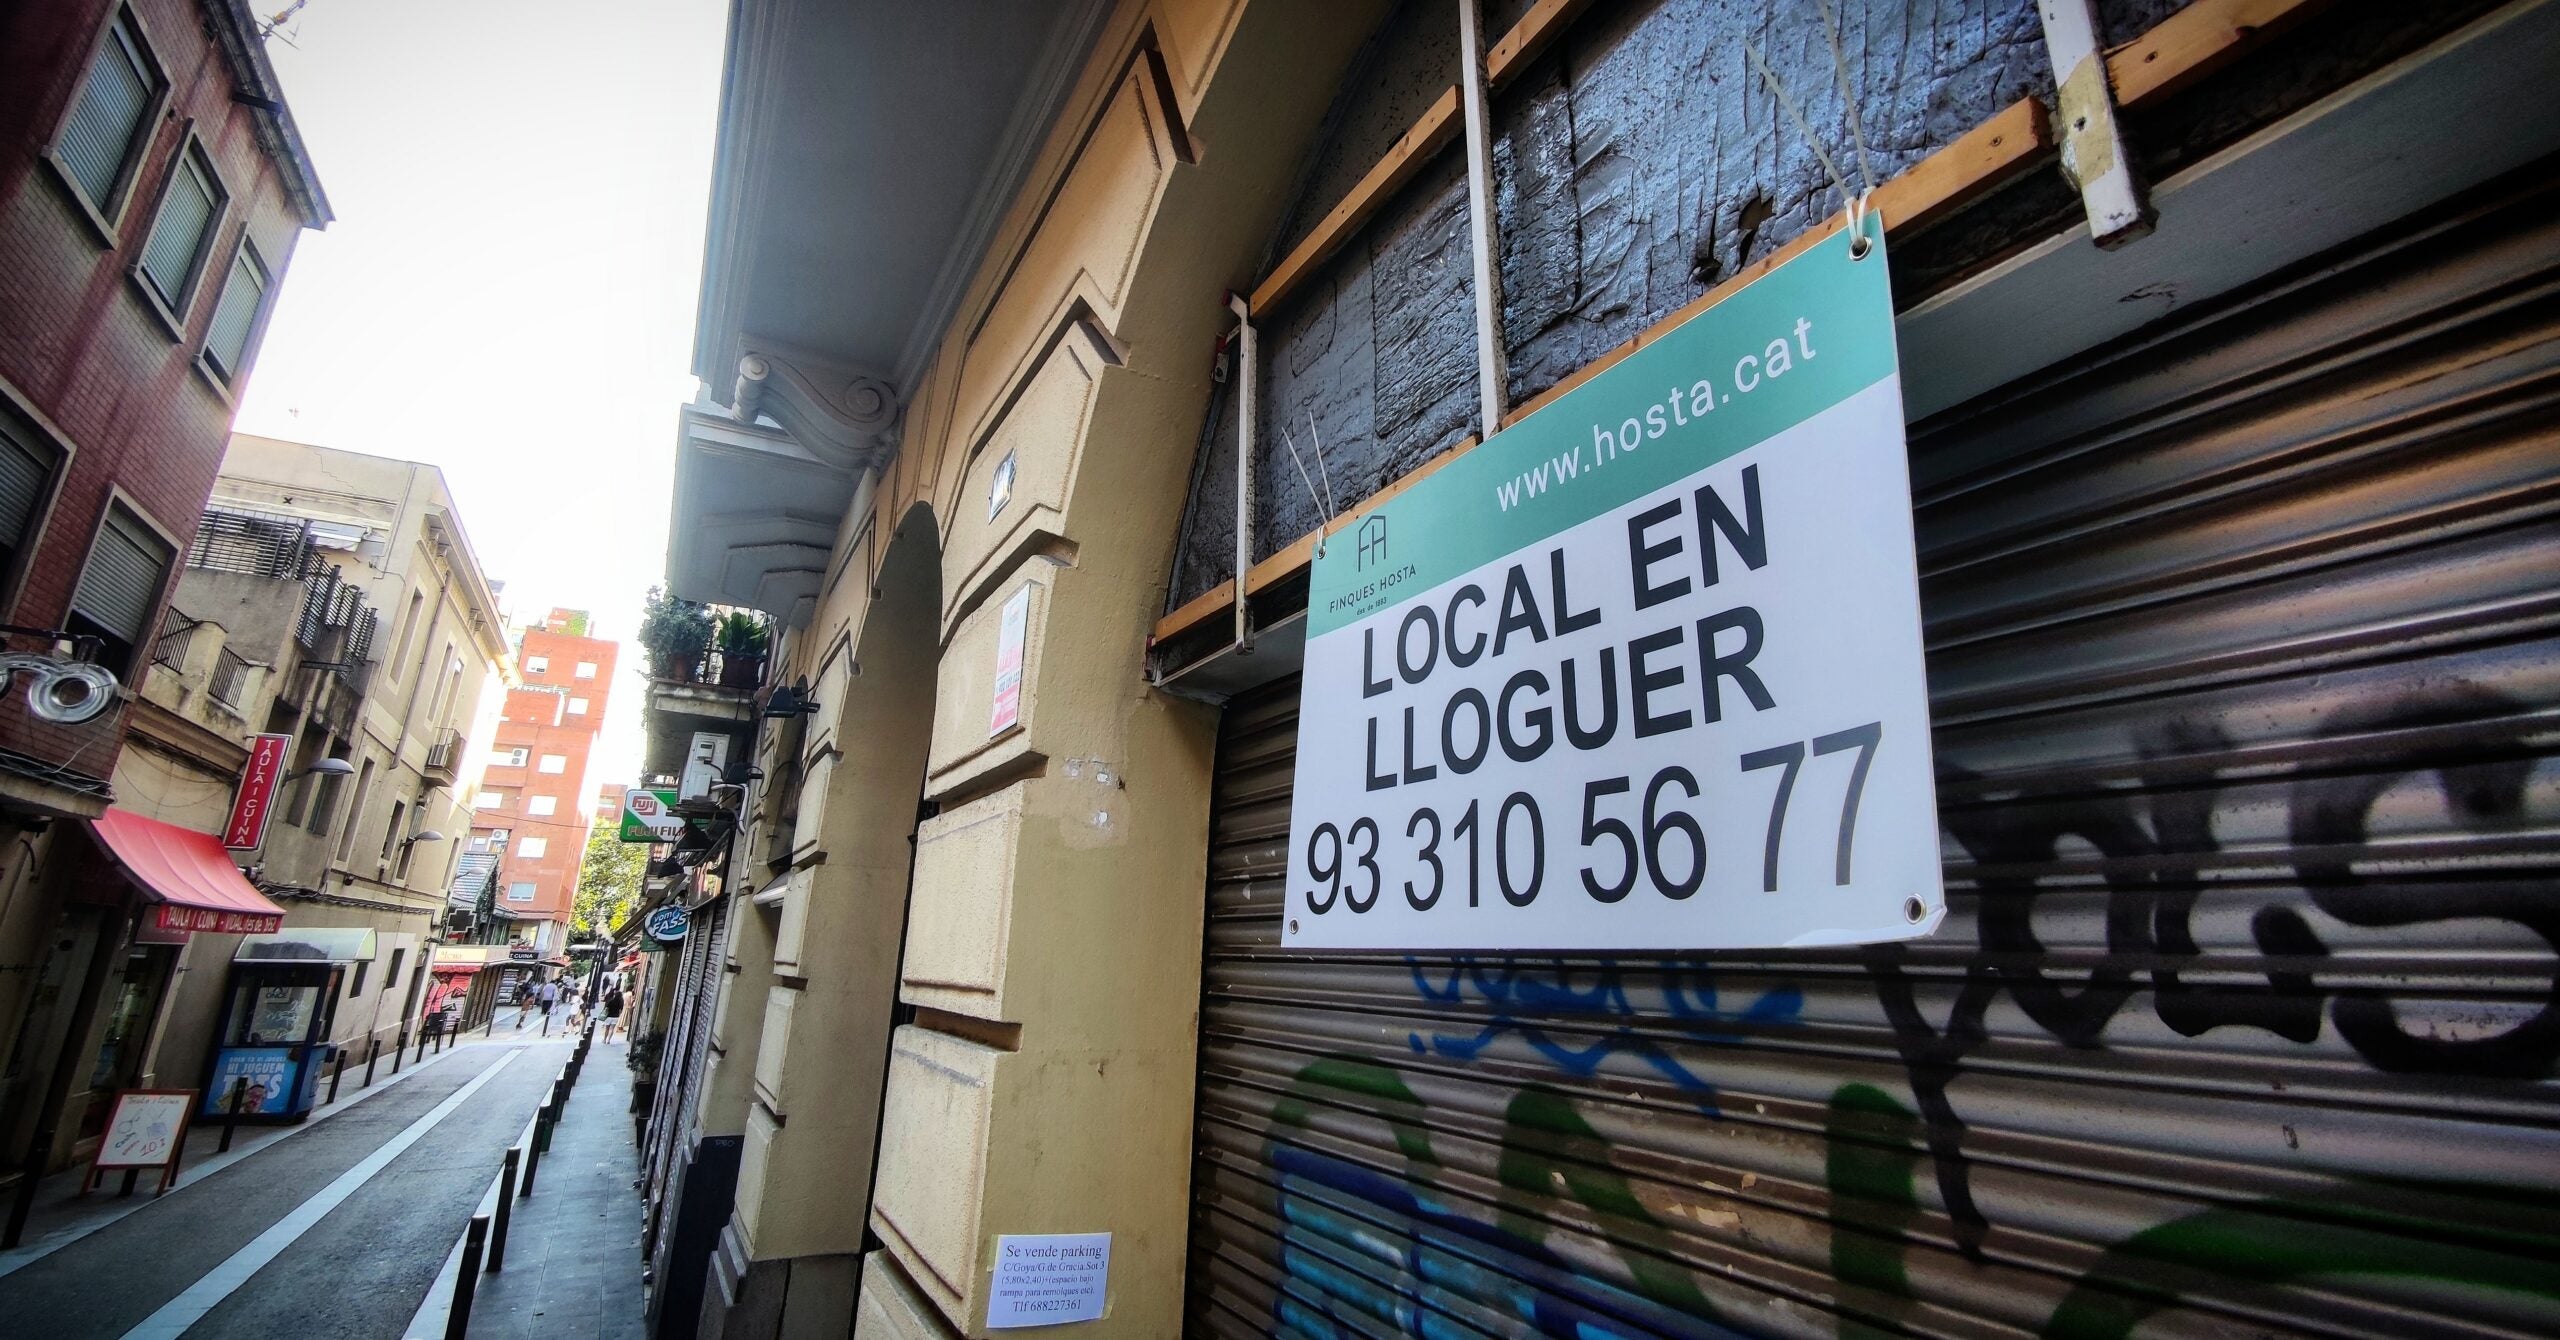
x=1322, y=472
x=1848, y=95
x=1323, y=501
x=1855, y=201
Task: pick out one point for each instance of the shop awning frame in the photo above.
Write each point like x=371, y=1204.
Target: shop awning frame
x=187, y=873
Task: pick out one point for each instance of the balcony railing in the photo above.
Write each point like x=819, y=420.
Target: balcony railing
x=61, y=721
x=713, y=668
x=444, y=756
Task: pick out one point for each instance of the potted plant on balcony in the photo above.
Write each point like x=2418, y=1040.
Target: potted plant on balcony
x=675, y=633
x=742, y=645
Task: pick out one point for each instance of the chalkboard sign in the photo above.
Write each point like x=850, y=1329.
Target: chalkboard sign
x=146, y=1129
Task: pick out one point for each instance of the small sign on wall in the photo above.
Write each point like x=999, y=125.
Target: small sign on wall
x=1010, y=631
x=1048, y=1279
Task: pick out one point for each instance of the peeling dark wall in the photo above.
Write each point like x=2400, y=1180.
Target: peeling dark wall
x=1636, y=163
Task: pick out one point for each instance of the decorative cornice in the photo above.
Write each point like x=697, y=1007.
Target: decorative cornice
x=843, y=415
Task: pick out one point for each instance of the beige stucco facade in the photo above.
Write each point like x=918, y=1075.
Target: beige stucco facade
x=1051, y=915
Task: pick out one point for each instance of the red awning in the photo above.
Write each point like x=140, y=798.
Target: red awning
x=188, y=874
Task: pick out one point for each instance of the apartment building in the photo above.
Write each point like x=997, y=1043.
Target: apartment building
x=532, y=807
x=153, y=186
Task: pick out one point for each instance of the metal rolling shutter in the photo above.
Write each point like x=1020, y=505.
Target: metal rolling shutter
x=2245, y=665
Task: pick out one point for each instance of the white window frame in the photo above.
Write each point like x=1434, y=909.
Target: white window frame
x=530, y=889
x=577, y=707
x=542, y=805
x=173, y=311
x=555, y=765
x=533, y=848
x=537, y=665
x=489, y=800
x=586, y=670
x=107, y=216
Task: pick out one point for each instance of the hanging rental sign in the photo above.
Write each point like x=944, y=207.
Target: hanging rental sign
x=247, y=826
x=1642, y=672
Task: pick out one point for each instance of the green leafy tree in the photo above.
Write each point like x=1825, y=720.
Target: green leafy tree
x=608, y=879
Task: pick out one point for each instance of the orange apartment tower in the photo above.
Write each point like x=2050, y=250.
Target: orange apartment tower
x=532, y=809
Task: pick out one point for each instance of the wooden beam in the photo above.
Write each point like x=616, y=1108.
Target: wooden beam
x=1411, y=152
x=2183, y=48
x=1530, y=37
x=1977, y=161
x=2195, y=42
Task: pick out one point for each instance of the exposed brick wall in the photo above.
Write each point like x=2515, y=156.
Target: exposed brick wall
x=77, y=340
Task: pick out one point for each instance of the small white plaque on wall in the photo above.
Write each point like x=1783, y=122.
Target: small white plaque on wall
x=1046, y=1279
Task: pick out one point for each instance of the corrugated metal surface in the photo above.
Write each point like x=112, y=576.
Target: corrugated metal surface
x=688, y=1045
x=2245, y=659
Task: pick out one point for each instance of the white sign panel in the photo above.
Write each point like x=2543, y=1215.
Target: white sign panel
x=1045, y=1279
x=1012, y=625
x=1644, y=671
x=143, y=1131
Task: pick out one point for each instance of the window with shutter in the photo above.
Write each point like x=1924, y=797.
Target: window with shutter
x=235, y=314
x=100, y=140
x=119, y=589
x=26, y=469
x=175, y=250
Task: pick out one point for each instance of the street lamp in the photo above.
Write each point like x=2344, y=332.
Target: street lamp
x=422, y=835
x=327, y=767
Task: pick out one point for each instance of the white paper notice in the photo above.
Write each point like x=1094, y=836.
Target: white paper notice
x=1046, y=1279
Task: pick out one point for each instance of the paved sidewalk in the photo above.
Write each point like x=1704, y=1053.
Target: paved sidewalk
x=573, y=1252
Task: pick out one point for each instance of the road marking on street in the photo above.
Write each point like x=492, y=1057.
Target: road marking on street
x=254, y=1141
x=203, y=1296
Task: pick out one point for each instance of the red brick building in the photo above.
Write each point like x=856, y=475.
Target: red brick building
x=533, y=802
x=152, y=189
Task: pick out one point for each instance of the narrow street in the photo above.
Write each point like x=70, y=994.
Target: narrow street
x=348, y=1225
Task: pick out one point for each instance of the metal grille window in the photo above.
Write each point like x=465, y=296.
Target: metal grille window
x=120, y=587
x=230, y=677
x=235, y=314
x=177, y=633
x=254, y=544
x=26, y=469
x=188, y=209
x=99, y=141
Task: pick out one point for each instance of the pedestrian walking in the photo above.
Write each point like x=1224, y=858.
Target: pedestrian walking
x=549, y=995
x=576, y=1001
x=612, y=1010
x=524, y=1001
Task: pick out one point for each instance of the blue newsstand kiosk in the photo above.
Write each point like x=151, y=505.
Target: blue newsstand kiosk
x=277, y=1017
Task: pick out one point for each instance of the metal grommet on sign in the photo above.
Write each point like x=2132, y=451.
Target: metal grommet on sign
x=1859, y=210
x=1293, y=925
x=1915, y=909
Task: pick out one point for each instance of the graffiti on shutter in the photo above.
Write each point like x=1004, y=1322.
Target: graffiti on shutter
x=2244, y=650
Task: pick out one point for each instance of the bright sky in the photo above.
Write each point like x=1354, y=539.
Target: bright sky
x=508, y=291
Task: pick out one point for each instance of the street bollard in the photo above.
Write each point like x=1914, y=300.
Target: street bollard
x=457, y=1323
x=399, y=1048
x=231, y=1113
x=336, y=1073
x=422, y=1045
x=532, y=1160
x=543, y=1121
x=372, y=1053
x=506, y=1207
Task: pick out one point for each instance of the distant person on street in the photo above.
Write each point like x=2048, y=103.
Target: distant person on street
x=549, y=994
x=612, y=1009
x=524, y=1001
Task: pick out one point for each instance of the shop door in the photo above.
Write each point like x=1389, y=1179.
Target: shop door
x=132, y=1003
x=2244, y=650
